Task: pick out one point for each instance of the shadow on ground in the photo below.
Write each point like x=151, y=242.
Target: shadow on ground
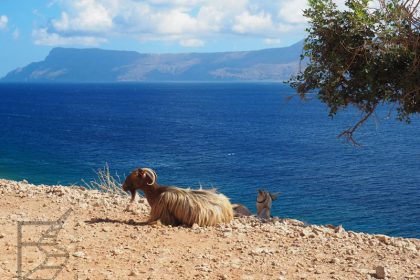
x=130, y=222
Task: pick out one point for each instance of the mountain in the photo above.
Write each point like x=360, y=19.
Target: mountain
x=97, y=65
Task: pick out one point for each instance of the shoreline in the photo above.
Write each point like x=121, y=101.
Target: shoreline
x=308, y=223
x=104, y=242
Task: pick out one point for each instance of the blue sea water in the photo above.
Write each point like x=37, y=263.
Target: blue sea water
x=235, y=136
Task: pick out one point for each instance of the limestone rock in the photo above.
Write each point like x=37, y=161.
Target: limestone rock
x=79, y=254
x=335, y=260
x=133, y=273
x=380, y=272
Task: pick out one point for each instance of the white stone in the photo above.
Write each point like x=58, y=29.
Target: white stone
x=79, y=254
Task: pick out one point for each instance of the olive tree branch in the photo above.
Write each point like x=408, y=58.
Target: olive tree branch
x=348, y=133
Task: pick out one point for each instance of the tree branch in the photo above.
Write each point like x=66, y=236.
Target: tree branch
x=348, y=133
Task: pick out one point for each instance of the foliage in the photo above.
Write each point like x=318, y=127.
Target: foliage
x=363, y=57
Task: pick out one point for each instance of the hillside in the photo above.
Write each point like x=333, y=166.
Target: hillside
x=97, y=65
x=104, y=242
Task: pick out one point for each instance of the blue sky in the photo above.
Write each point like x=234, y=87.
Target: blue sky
x=29, y=29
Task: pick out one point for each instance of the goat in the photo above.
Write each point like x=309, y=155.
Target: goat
x=264, y=201
x=240, y=210
x=176, y=206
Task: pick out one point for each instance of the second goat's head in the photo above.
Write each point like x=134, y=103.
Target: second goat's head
x=141, y=178
x=262, y=194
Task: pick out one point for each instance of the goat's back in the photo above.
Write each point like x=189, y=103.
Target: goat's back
x=203, y=207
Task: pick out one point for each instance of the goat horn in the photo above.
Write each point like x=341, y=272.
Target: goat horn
x=151, y=174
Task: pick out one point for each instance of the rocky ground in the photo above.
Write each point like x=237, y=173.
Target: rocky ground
x=104, y=242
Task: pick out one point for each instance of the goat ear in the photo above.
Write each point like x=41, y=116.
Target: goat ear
x=274, y=196
x=260, y=191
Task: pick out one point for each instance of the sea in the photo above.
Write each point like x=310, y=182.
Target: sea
x=237, y=137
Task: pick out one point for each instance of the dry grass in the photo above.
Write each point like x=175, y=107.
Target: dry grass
x=106, y=182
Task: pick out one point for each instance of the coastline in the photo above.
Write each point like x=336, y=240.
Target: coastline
x=104, y=242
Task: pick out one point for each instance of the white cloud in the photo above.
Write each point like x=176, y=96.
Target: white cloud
x=247, y=23
x=90, y=21
x=272, y=41
x=63, y=23
x=87, y=15
x=191, y=43
x=175, y=22
x=176, y=2
x=3, y=21
x=292, y=11
x=43, y=37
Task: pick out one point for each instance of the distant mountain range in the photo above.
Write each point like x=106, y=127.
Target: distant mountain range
x=97, y=65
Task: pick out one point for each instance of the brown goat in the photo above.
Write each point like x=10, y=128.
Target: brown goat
x=240, y=210
x=175, y=206
x=264, y=202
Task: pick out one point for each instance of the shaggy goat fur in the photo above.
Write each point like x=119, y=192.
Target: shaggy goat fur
x=175, y=206
x=184, y=206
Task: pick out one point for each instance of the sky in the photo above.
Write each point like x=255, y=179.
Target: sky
x=29, y=29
